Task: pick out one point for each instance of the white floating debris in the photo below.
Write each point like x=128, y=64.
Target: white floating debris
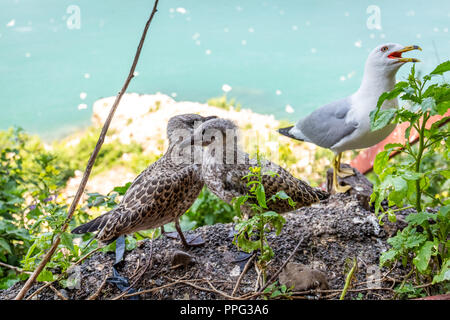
x=445, y=30
x=82, y=106
x=351, y=74
x=195, y=36
x=289, y=109
x=208, y=52
x=244, y=42
x=226, y=29
x=382, y=36
x=83, y=95
x=171, y=10
x=27, y=55
x=11, y=23
x=358, y=44
x=342, y=78
x=197, y=42
x=251, y=30
x=418, y=36
x=278, y=92
x=346, y=14
x=181, y=10
x=313, y=50
x=308, y=23
x=173, y=94
x=87, y=75
x=372, y=36
x=226, y=88
x=435, y=29
x=136, y=73
x=294, y=27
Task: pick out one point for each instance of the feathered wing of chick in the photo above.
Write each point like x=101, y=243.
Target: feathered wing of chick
x=159, y=195
x=226, y=180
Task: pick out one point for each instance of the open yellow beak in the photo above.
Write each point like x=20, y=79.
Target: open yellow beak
x=397, y=55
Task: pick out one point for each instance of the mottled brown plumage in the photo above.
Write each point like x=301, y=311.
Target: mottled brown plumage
x=224, y=165
x=160, y=194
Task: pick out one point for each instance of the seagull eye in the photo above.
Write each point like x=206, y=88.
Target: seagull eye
x=384, y=49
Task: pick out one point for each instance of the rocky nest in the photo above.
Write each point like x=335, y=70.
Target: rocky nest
x=329, y=236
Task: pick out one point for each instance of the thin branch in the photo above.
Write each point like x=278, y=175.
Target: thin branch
x=90, y=164
x=59, y=294
x=238, y=282
x=16, y=269
x=272, y=279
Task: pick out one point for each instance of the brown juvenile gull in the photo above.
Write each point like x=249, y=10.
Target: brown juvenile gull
x=224, y=165
x=345, y=124
x=160, y=194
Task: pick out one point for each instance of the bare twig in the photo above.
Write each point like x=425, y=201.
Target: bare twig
x=275, y=275
x=89, y=166
x=61, y=275
x=16, y=269
x=100, y=288
x=59, y=294
x=238, y=282
x=148, y=265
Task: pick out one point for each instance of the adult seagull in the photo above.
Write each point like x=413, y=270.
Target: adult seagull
x=344, y=124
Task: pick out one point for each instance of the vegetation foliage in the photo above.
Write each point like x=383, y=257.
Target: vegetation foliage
x=419, y=180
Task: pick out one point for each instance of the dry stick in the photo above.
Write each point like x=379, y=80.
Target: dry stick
x=59, y=294
x=272, y=279
x=16, y=269
x=61, y=275
x=238, y=282
x=97, y=293
x=148, y=265
x=89, y=166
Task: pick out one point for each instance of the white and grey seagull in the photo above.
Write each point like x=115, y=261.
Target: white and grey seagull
x=344, y=124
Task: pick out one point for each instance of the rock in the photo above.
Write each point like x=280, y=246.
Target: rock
x=361, y=187
x=333, y=231
x=302, y=277
x=181, y=258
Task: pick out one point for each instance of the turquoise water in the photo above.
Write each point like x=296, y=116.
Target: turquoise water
x=272, y=53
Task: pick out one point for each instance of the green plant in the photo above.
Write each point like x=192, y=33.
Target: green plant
x=415, y=180
x=208, y=209
x=277, y=291
x=251, y=233
x=223, y=103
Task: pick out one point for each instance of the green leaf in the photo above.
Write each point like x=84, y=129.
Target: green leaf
x=382, y=119
x=261, y=196
x=380, y=162
x=45, y=275
x=423, y=256
x=392, y=94
x=442, y=68
x=5, y=245
x=444, y=274
x=419, y=218
x=123, y=189
x=429, y=104
x=388, y=256
x=67, y=241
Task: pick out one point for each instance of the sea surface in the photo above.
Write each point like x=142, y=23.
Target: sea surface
x=282, y=57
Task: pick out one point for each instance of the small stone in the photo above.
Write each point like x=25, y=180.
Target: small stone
x=302, y=277
x=182, y=258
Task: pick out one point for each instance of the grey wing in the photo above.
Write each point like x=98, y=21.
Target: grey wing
x=326, y=126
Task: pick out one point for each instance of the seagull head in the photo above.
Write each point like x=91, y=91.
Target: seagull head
x=184, y=123
x=210, y=131
x=388, y=57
